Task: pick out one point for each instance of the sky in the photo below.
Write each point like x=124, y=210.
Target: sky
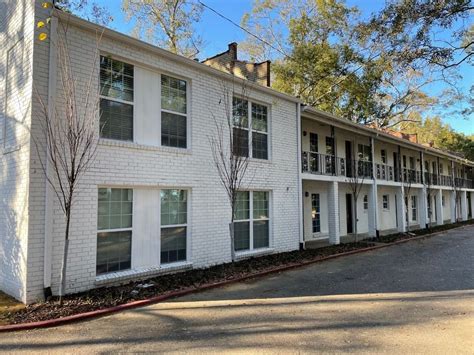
x=217, y=33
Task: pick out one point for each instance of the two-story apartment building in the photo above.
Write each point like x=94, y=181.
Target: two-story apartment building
x=152, y=201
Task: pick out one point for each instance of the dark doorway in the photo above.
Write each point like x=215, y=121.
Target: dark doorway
x=349, y=219
x=348, y=158
x=396, y=167
x=469, y=206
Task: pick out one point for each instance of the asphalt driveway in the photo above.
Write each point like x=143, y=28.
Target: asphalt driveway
x=417, y=297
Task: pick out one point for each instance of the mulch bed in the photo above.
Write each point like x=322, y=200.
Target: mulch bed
x=105, y=297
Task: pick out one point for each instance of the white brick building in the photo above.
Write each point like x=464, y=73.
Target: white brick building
x=152, y=202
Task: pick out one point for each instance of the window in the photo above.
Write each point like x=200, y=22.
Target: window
x=434, y=167
x=116, y=99
x=366, y=202
x=442, y=200
x=441, y=169
x=316, y=213
x=313, y=142
x=383, y=154
x=363, y=152
x=173, y=112
x=252, y=220
x=412, y=163
x=329, y=145
x=114, y=224
x=385, y=202
x=174, y=219
x=414, y=208
x=250, y=128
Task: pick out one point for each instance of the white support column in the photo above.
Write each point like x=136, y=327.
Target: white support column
x=401, y=212
x=373, y=210
x=439, y=207
x=333, y=213
x=423, y=208
x=464, y=205
x=453, y=206
x=472, y=205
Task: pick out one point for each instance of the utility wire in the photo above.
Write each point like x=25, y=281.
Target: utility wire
x=243, y=28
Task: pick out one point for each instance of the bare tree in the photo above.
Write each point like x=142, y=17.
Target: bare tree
x=230, y=150
x=356, y=181
x=70, y=134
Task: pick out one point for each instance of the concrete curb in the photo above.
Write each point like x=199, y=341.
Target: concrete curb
x=106, y=311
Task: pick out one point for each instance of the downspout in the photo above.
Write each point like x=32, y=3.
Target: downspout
x=300, y=182
x=49, y=194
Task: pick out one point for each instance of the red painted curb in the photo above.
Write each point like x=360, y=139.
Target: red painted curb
x=160, y=298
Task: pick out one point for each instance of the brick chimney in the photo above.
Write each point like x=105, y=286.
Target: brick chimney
x=228, y=61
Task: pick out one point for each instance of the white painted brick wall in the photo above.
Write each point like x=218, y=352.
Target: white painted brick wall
x=137, y=166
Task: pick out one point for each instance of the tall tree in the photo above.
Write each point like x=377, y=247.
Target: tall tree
x=87, y=9
x=167, y=23
x=322, y=58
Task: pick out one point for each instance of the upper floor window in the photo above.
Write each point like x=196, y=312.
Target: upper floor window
x=412, y=163
x=363, y=152
x=250, y=128
x=329, y=145
x=116, y=99
x=441, y=169
x=383, y=154
x=173, y=112
x=313, y=142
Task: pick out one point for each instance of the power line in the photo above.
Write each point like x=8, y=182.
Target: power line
x=243, y=28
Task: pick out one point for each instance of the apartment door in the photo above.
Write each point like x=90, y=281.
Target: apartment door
x=348, y=158
x=349, y=219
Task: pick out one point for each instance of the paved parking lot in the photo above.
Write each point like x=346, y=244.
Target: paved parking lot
x=417, y=297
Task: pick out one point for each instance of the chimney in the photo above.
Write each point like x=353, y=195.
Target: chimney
x=228, y=61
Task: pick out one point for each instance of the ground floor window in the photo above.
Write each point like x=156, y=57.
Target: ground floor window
x=114, y=225
x=252, y=220
x=316, y=213
x=174, y=218
x=366, y=202
x=385, y=202
x=414, y=208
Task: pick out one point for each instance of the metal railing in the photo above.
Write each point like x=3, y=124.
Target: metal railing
x=464, y=183
x=411, y=176
x=322, y=164
x=384, y=172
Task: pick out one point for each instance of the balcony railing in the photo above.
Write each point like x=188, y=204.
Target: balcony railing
x=431, y=179
x=445, y=180
x=384, y=172
x=464, y=183
x=322, y=164
x=411, y=176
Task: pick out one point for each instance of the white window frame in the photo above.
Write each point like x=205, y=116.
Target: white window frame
x=251, y=220
x=112, y=230
x=187, y=115
x=365, y=201
x=386, y=197
x=132, y=103
x=249, y=128
x=317, y=213
x=188, y=228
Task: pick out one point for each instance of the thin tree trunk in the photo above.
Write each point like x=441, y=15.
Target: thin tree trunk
x=62, y=284
x=232, y=243
x=355, y=217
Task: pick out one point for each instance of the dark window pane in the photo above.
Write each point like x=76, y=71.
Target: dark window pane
x=173, y=244
x=259, y=117
x=259, y=145
x=313, y=142
x=241, y=236
x=316, y=213
x=242, y=205
x=173, y=94
x=113, y=251
x=116, y=79
x=241, y=142
x=116, y=120
x=260, y=234
x=173, y=130
x=240, y=113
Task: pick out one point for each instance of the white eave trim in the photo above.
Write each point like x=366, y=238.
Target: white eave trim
x=112, y=34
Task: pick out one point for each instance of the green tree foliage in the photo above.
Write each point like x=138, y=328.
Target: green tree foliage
x=331, y=64
x=433, y=131
x=167, y=23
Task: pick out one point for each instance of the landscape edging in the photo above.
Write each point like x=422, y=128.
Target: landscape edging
x=140, y=303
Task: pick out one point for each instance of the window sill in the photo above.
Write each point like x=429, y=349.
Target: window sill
x=131, y=274
x=138, y=146
x=251, y=253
